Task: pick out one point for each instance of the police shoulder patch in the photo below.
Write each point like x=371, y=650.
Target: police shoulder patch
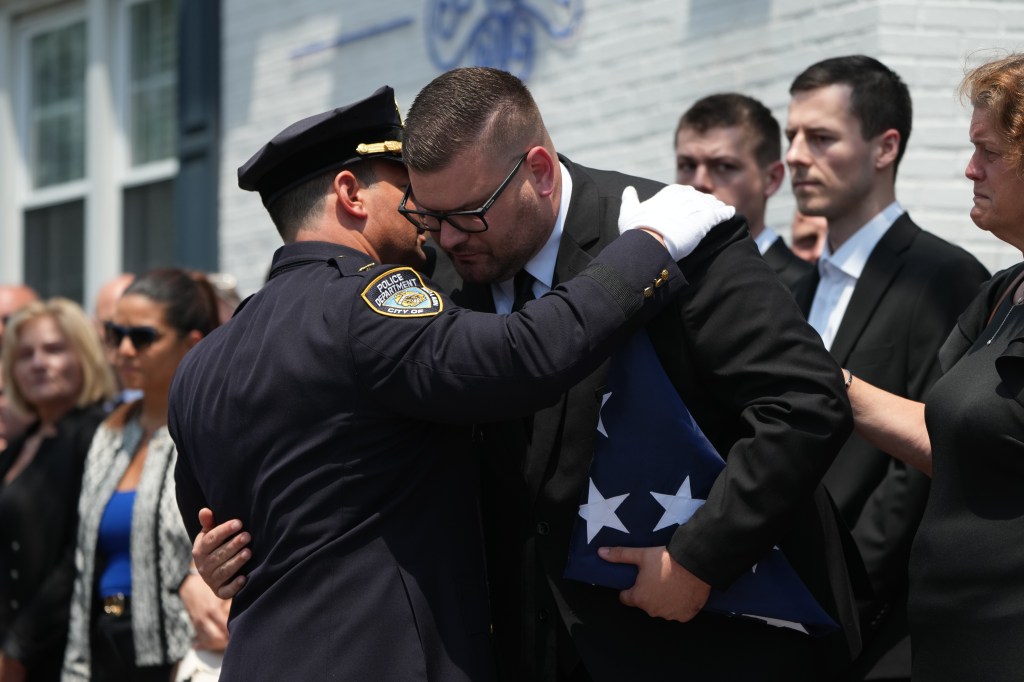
x=400, y=292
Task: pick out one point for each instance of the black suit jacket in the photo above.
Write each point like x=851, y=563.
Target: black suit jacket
x=38, y=519
x=766, y=393
x=913, y=287
x=788, y=266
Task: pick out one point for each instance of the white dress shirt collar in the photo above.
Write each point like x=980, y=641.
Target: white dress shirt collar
x=853, y=255
x=765, y=240
x=839, y=273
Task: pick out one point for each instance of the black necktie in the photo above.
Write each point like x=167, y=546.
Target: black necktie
x=522, y=287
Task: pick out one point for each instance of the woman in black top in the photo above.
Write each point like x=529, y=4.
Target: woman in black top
x=55, y=370
x=966, y=600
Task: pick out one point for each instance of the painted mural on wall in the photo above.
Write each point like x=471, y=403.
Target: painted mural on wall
x=498, y=33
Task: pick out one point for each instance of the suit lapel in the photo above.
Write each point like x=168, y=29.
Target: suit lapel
x=580, y=239
x=804, y=290
x=581, y=232
x=775, y=256
x=883, y=264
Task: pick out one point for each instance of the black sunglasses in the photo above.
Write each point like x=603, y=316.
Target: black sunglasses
x=140, y=337
x=464, y=221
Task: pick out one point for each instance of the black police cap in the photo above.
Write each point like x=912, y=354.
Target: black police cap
x=368, y=129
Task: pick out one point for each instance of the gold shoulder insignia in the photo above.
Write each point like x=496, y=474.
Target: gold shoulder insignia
x=379, y=147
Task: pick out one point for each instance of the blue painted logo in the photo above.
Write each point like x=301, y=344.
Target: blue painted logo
x=496, y=33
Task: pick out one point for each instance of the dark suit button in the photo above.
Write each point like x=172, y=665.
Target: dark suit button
x=14, y=574
x=14, y=603
x=543, y=528
x=15, y=546
x=542, y=615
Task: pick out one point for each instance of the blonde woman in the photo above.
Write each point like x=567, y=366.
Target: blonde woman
x=53, y=370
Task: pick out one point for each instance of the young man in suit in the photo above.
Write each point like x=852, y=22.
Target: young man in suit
x=753, y=374
x=729, y=145
x=883, y=297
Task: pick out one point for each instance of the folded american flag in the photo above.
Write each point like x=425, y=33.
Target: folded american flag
x=652, y=469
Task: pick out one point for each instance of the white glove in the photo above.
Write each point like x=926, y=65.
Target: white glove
x=679, y=213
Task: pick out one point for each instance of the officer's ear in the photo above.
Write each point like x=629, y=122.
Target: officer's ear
x=192, y=338
x=348, y=194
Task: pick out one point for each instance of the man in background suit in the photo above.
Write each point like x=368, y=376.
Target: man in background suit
x=753, y=374
x=883, y=297
x=729, y=145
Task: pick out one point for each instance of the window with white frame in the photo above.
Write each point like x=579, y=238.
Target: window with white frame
x=153, y=80
x=150, y=113
x=77, y=140
x=57, y=105
x=54, y=122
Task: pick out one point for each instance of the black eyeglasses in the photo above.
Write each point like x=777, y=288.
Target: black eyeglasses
x=464, y=221
x=140, y=337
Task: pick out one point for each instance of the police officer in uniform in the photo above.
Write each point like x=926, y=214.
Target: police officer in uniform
x=332, y=414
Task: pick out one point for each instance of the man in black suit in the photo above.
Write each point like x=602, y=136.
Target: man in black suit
x=883, y=297
x=730, y=145
x=332, y=413
x=737, y=350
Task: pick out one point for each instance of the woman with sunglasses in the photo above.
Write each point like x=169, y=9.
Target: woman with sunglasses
x=54, y=371
x=134, y=596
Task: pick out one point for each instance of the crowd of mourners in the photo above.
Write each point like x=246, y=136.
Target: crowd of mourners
x=101, y=577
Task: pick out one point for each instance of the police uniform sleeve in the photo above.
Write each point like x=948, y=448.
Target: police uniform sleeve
x=451, y=364
x=187, y=491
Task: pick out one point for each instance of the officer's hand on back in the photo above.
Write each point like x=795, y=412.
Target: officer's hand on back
x=679, y=213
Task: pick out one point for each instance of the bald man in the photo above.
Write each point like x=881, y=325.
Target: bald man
x=13, y=297
x=103, y=307
x=106, y=299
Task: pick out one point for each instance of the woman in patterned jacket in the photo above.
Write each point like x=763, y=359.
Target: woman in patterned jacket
x=136, y=609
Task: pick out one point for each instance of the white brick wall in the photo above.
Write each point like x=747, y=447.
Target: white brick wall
x=612, y=95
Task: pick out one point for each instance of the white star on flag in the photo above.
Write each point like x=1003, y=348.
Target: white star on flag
x=679, y=507
x=600, y=424
x=600, y=512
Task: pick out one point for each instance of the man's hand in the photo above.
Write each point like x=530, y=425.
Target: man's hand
x=663, y=588
x=679, y=213
x=219, y=553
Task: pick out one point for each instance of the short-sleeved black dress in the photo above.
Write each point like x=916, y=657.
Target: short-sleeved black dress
x=967, y=563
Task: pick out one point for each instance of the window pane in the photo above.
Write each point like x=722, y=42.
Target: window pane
x=154, y=80
x=148, y=229
x=58, y=105
x=55, y=250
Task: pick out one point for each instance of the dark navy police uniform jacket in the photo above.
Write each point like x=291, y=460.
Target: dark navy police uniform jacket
x=331, y=415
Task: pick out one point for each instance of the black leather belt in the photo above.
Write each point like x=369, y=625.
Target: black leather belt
x=115, y=605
